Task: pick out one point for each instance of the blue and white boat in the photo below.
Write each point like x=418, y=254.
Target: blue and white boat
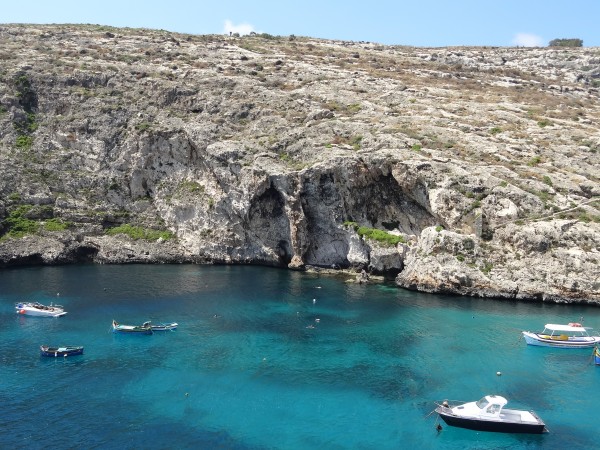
x=573, y=335
x=64, y=351
x=131, y=329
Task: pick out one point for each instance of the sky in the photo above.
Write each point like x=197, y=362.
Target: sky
x=419, y=23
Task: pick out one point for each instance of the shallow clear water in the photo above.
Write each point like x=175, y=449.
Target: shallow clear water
x=250, y=367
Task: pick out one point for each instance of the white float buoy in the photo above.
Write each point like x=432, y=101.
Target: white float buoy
x=498, y=373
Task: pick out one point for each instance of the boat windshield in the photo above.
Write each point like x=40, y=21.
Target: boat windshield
x=481, y=404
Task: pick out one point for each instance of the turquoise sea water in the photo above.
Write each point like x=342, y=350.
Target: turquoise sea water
x=273, y=359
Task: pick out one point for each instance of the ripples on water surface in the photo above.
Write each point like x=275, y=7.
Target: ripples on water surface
x=272, y=359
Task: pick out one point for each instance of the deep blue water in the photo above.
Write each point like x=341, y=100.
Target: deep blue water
x=250, y=367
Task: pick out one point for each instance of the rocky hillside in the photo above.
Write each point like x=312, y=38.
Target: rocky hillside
x=460, y=170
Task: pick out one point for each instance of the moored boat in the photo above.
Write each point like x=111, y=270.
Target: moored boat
x=597, y=356
x=489, y=414
x=67, y=350
x=131, y=329
x=573, y=335
x=161, y=326
x=37, y=309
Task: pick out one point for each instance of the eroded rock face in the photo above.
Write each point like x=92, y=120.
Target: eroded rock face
x=262, y=151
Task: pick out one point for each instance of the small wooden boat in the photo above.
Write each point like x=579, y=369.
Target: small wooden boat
x=489, y=414
x=597, y=356
x=67, y=350
x=161, y=326
x=37, y=309
x=130, y=329
x=573, y=335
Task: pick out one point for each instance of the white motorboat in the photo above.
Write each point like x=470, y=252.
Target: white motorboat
x=489, y=414
x=37, y=309
x=573, y=335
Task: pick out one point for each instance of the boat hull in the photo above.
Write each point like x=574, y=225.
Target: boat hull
x=540, y=341
x=56, y=352
x=491, y=425
x=131, y=331
x=30, y=312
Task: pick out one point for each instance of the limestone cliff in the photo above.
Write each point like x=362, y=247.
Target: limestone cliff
x=482, y=163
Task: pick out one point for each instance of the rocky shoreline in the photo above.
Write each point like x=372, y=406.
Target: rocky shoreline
x=468, y=171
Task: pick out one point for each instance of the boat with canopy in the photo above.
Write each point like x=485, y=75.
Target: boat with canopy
x=573, y=335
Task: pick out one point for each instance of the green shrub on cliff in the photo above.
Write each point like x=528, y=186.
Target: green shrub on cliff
x=30, y=219
x=24, y=142
x=380, y=236
x=56, y=225
x=139, y=232
x=374, y=234
x=18, y=225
